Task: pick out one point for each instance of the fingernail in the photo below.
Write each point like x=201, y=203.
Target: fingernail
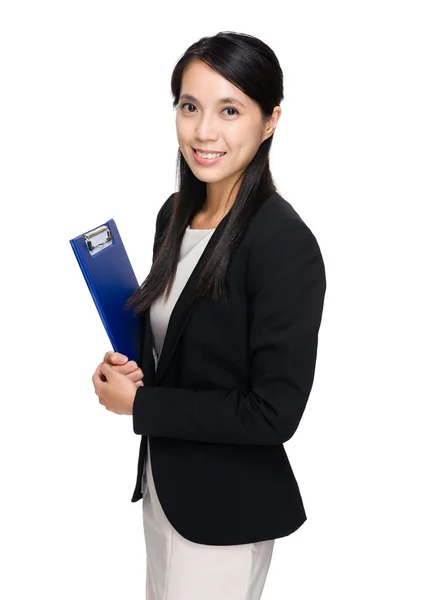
x=122, y=359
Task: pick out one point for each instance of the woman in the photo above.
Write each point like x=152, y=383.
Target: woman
x=231, y=311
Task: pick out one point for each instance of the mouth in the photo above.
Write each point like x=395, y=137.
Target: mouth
x=208, y=151
x=202, y=159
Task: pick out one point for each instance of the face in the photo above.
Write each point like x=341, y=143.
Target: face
x=205, y=122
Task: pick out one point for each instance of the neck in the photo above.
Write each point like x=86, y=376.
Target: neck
x=220, y=197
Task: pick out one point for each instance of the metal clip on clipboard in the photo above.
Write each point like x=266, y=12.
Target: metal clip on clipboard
x=97, y=236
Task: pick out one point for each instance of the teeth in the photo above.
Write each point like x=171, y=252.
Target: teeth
x=203, y=155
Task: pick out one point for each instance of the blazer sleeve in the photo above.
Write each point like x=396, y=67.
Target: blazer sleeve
x=286, y=286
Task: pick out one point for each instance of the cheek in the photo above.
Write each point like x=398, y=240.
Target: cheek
x=178, y=129
x=244, y=149
x=179, y=126
x=184, y=135
x=179, y=138
x=244, y=138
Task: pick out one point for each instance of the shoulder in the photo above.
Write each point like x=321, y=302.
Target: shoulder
x=164, y=214
x=162, y=220
x=278, y=227
x=283, y=252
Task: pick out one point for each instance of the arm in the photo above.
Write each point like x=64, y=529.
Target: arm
x=286, y=287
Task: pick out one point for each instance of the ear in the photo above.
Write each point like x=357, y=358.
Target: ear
x=271, y=123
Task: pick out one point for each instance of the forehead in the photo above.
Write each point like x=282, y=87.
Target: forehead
x=207, y=85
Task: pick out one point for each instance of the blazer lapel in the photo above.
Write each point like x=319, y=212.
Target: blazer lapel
x=147, y=362
x=183, y=310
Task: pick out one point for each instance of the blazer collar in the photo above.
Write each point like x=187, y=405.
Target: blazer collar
x=182, y=310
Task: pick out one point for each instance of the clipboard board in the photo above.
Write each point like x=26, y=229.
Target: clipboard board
x=111, y=280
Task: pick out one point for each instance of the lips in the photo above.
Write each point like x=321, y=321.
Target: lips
x=207, y=162
x=208, y=151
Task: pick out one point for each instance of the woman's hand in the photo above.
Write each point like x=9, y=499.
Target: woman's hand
x=121, y=364
x=116, y=381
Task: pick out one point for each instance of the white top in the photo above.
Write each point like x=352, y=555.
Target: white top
x=192, y=246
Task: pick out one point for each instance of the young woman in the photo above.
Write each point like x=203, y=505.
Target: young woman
x=231, y=311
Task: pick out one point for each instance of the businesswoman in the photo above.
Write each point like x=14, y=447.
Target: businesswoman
x=230, y=313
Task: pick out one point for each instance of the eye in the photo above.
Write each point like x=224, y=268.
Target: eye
x=187, y=104
x=227, y=108
x=231, y=108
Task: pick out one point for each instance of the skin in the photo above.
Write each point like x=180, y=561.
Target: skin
x=116, y=381
x=210, y=124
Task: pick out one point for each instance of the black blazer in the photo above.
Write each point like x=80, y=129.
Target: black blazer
x=232, y=383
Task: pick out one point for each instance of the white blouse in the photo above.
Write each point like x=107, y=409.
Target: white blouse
x=192, y=246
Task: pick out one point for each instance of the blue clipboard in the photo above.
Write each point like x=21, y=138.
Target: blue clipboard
x=111, y=280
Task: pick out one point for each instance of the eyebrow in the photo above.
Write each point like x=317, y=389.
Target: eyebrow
x=228, y=99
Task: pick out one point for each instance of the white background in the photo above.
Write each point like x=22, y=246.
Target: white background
x=88, y=134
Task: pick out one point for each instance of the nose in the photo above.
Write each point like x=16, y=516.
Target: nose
x=207, y=129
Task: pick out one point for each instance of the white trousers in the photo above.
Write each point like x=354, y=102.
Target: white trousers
x=179, y=569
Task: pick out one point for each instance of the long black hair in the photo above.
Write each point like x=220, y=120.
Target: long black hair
x=252, y=66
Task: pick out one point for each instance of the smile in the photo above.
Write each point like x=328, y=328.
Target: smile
x=207, y=158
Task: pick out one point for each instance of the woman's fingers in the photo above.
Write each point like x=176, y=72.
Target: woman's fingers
x=135, y=375
x=115, y=358
x=130, y=368
x=120, y=362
